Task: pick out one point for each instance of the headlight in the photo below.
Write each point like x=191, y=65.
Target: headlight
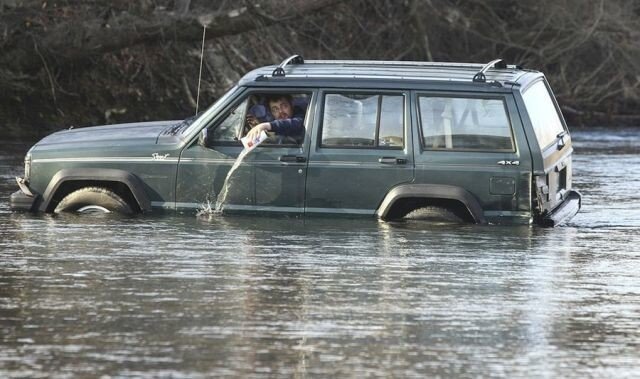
x=27, y=165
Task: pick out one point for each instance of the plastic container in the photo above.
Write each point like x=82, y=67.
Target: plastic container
x=250, y=144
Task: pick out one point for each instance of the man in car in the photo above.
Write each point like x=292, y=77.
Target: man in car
x=288, y=120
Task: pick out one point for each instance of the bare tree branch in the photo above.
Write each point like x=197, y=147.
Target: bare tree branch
x=76, y=40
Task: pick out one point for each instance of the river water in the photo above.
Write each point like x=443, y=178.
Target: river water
x=190, y=297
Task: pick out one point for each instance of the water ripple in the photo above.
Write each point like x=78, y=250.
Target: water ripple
x=257, y=297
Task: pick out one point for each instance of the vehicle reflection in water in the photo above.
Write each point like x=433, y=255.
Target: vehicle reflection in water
x=261, y=296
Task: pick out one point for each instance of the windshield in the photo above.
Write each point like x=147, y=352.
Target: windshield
x=205, y=116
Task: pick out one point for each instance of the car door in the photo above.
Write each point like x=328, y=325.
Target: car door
x=280, y=163
x=270, y=178
x=361, y=150
x=473, y=142
x=203, y=179
x=550, y=143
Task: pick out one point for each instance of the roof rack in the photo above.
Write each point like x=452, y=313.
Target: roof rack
x=294, y=59
x=394, y=63
x=495, y=73
x=480, y=77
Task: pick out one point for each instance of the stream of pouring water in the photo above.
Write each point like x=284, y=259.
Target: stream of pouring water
x=222, y=197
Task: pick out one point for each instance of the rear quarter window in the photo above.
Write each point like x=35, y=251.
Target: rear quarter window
x=543, y=114
x=465, y=123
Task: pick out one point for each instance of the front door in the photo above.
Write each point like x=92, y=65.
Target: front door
x=361, y=150
x=203, y=168
x=269, y=178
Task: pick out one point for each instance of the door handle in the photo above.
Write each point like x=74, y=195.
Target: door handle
x=392, y=160
x=292, y=159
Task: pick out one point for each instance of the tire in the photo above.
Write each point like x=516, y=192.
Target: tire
x=93, y=200
x=435, y=214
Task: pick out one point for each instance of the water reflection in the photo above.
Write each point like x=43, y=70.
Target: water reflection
x=238, y=296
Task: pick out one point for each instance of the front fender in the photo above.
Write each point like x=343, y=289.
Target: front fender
x=134, y=183
x=432, y=191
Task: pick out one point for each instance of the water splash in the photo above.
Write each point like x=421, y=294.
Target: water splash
x=210, y=208
x=206, y=209
x=225, y=187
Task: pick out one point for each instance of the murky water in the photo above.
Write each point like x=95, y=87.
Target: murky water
x=177, y=296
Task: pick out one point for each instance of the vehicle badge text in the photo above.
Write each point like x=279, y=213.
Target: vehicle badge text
x=159, y=157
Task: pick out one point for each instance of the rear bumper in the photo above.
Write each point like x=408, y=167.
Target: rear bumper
x=23, y=199
x=563, y=212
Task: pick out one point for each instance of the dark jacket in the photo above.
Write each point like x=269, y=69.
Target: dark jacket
x=292, y=127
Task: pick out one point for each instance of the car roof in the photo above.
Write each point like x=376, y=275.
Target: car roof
x=395, y=71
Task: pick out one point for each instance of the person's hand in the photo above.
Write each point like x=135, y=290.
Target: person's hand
x=252, y=121
x=256, y=130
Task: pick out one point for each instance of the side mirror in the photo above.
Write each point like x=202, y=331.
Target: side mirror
x=203, y=137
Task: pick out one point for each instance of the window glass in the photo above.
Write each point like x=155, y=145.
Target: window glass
x=229, y=129
x=465, y=124
x=391, y=122
x=352, y=120
x=285, y=111
x=543, y=114
x=290, y=111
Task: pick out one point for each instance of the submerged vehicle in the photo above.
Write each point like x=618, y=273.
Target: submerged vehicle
x=486, y=142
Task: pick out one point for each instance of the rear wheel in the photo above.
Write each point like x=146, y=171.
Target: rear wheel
x=93, y=200
x=437, y=214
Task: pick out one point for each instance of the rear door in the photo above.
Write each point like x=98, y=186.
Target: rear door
x=361, y=149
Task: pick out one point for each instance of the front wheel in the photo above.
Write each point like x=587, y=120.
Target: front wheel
x=93, y=200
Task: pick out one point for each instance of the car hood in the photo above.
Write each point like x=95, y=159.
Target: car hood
x=109, y=135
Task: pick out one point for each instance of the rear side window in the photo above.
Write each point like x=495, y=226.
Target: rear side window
x=363, y=120
x=543, y=114
x=454, y=123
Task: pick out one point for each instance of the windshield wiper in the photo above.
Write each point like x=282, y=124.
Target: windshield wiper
x=179, y=127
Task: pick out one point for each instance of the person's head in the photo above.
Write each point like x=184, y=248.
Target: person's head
x=280, y=106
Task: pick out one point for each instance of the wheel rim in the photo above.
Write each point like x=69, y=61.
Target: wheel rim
x=93, y=209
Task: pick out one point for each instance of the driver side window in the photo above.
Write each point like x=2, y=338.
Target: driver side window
x=284, y=110
x=230, y=129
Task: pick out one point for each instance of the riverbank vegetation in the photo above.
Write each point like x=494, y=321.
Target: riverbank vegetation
x=95, y=61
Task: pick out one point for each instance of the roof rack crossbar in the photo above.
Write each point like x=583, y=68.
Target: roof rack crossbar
x=294, y=59
x=480, y=77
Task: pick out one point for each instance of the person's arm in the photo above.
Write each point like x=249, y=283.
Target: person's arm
x=288, y=127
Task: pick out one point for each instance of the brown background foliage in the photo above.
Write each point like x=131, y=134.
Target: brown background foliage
x=93, y=62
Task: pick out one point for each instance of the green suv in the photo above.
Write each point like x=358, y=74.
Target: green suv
x=370, y=138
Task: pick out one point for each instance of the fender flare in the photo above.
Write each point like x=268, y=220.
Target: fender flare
x=130, y=180
x=437, y=191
